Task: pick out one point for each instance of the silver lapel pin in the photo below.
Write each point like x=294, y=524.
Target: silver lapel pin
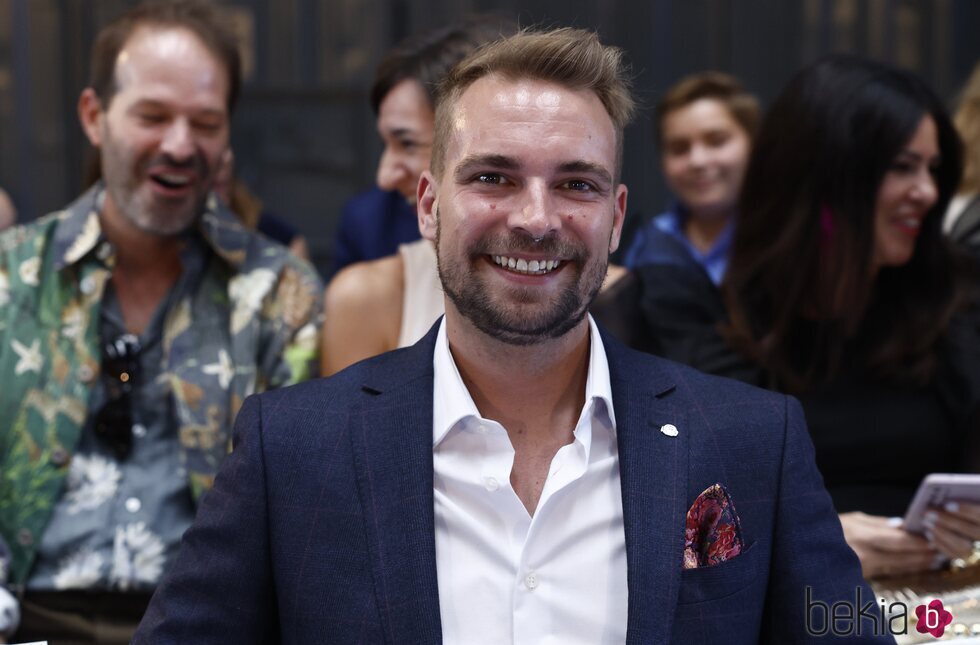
x=669, y=429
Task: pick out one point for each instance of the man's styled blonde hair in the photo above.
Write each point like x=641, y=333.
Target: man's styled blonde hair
x=572, y=58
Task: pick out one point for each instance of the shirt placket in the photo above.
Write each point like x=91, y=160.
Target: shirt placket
x=532, y=580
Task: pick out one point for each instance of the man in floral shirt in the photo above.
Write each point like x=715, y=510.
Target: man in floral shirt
x=132, y=326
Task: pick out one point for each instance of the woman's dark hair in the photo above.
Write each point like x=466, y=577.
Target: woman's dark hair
x=801, y=289
x=427, y=57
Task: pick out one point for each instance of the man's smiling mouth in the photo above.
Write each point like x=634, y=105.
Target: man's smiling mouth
x=528, y=267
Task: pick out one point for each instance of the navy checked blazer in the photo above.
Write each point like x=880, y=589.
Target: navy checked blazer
x=320, y=527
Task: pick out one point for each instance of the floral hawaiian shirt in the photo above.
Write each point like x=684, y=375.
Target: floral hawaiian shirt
x=252, y=324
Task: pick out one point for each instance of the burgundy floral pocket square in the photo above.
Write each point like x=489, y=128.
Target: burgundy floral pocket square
x=712, y=533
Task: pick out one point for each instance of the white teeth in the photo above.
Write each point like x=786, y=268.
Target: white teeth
x=524, y=266
x=175, y=179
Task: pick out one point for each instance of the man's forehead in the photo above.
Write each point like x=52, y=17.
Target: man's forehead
x=497, y=110
x=156, y=52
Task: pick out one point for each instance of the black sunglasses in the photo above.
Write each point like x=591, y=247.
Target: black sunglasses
x=120, y=367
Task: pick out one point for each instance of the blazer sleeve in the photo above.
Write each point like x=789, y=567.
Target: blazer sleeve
x=812, y=566
x=220, y=588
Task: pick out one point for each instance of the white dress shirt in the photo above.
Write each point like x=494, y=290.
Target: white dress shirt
x=508, y=577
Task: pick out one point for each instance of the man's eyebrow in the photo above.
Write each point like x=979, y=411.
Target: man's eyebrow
x=587, y=167
x=501, y=162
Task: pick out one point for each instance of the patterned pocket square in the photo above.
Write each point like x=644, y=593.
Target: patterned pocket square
x=712, y=533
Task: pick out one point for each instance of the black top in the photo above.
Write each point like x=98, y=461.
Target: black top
x=874, y=441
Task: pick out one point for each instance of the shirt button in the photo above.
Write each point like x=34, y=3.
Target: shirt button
x=491, y=483
x=139, y=430
x=59, y=457
x=85, y=373
x=133, y=505
x=88, y=285
x=531, y=581
x=25, y=537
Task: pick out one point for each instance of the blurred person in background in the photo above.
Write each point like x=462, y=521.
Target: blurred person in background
x=375, y=223
x=704, y=128
x=240, y=200
x=962, y=220
x=372, y=307
x=842, y=290
x=132, y=326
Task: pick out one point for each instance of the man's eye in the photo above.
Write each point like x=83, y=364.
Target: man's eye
x=149, y=117
x=579, y=185
x=207, y=126
x=490, y=178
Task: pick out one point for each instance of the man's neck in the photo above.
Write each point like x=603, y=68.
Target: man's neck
x=535, y=392
x=147, y=266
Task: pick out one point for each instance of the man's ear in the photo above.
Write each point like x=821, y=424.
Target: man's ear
x=619, y=215
x=90, y=116
x=427, y=205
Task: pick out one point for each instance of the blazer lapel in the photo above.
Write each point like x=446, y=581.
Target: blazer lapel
x=392, y=446
x=653, y=471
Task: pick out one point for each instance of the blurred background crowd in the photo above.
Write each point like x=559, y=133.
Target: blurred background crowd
x=304, y=136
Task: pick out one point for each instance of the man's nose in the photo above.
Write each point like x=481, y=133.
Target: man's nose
x=390, y=171
x=178, y=142
x=536, y=215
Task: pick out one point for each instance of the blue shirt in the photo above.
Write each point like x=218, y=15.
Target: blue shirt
x=372, y=226
x=648, y=245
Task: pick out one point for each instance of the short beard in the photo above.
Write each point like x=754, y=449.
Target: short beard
x=475, y=304
x=121, y=180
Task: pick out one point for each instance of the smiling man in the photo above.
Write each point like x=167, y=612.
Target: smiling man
x=133, y=324
x=517, y=476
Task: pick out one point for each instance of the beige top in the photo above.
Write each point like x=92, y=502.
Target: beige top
x=422, y=301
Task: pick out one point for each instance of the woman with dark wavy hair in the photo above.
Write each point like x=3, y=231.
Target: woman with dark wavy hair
x=842, y=290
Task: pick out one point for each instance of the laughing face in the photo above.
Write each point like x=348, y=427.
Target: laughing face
x=526, y=211
x=163, y=132
x=405, y=123
x=906, y=195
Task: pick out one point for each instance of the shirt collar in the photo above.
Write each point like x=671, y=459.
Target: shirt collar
x=452, y=402
x=79, y=231
x=672, y=222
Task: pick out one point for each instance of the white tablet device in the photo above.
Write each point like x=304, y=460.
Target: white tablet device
x=937, y=489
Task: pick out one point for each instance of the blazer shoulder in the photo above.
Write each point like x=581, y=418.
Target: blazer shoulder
x=385, y=374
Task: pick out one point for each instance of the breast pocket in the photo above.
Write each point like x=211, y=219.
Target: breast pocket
x=705, y=584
